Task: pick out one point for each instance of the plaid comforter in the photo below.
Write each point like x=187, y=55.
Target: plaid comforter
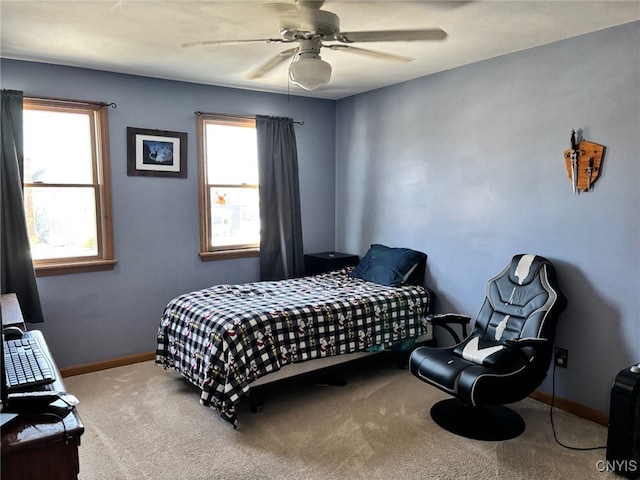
x=224, y=337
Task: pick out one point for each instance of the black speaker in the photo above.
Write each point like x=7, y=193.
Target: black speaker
x=623, y=438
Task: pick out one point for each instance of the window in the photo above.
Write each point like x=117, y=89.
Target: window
x=67, y=196
x=229, y=204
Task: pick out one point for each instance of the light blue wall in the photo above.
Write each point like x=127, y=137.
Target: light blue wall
x=467, y=166
x=96, y=316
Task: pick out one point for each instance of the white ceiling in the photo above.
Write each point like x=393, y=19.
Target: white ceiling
x=145, y=37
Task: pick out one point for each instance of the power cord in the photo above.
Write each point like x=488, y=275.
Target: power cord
x=553, y=427
x=60, y=419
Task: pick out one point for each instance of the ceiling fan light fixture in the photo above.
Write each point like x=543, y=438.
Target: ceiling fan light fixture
x=309, y=71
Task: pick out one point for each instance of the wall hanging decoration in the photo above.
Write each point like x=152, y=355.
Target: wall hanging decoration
x=584, y=163
x=156, y=153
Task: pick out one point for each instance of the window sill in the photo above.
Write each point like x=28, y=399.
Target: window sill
x=50, y=269
x=229, y=254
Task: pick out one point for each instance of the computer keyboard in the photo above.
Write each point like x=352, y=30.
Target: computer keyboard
x=25, y=364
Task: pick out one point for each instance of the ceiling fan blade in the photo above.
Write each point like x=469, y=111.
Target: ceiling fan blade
x=272, y=63
x=207, y=43
x=392, y=35
x=371, y=53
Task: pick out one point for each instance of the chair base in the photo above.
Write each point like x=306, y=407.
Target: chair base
x=494, y=423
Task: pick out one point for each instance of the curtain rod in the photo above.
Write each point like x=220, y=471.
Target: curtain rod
x=237, y=116
x=61, y=100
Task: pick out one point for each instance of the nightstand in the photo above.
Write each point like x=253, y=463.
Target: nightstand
x=315, y=263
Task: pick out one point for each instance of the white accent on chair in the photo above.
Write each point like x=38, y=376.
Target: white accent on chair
x=501, y=327
x=524, y=265
x=472, y=353
x=513, y=292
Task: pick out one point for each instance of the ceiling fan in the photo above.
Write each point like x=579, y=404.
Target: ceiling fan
x=312, y=28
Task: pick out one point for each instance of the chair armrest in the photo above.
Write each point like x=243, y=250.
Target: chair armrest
x=445, y=320
x=526, y=342
x=520, y=343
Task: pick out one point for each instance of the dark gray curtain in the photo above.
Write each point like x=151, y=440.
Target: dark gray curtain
x=16, y=265
x=281, y=252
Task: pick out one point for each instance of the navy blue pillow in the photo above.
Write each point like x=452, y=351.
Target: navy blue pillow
x=388, y=266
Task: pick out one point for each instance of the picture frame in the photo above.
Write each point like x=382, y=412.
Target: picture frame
x=156, y=153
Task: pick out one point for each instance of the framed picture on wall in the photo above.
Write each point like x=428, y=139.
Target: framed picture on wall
x=156, y=153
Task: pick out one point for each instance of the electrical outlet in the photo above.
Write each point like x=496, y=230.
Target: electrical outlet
x=561, y=357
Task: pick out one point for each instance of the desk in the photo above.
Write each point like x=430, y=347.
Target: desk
x=42, y=445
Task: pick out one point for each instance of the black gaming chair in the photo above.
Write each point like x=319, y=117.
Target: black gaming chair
x=504, y=359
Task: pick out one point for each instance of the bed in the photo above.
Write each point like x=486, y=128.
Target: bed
x=225, y=337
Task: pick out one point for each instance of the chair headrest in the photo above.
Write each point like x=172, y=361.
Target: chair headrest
x=524, y=268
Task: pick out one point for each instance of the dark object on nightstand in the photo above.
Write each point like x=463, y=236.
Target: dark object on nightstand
x=315, y=263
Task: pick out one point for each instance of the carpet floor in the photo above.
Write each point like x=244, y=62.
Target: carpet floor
x=143, y=422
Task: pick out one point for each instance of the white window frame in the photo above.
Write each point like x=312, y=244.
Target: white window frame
x=207, y=251
x=99, y=121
